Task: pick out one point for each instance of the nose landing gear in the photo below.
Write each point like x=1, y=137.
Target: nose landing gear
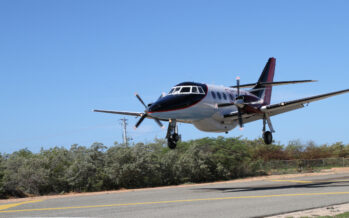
x=172, y=134
x=267, y=135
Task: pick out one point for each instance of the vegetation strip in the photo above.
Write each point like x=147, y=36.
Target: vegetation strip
x=174, y=201
x=62, y=170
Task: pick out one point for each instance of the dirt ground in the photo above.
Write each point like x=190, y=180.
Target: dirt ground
x=326, y=211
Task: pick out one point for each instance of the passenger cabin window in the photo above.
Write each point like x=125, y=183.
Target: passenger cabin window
x=224, y=96
x=213, y=95
x=219, y=95
x=231, y=97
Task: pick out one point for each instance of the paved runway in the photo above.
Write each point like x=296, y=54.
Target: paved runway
x=231, y=199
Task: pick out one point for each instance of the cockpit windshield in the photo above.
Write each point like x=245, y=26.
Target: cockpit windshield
x=186, y=90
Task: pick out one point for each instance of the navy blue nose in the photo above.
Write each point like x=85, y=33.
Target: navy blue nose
x=175, y=102
x=154, y=107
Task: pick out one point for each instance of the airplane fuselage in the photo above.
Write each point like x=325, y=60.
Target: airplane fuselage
x=200, y=109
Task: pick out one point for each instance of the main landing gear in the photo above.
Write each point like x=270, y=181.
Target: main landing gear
x=267, y=135
x=172, y=134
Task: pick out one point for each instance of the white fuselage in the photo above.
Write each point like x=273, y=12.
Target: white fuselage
x=205, y=115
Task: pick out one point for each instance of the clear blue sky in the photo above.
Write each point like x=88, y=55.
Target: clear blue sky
x=61, y=59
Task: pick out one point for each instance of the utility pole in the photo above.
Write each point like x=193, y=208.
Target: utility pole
x=124, y=132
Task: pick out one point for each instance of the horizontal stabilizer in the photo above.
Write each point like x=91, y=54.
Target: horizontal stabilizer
x=266, y=84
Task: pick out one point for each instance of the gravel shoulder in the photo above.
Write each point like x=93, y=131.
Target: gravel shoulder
x=325, y=211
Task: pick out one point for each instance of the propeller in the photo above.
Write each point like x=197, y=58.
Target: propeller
x=141, y=120
x=238, y=84
x=239, y=103
x=146, y=114
x=140, y=99
x=241, y=124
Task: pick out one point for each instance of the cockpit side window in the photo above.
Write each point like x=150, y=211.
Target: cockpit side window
x=171, y=91
x=201, y=90
x=194, y=89
x=185, y=90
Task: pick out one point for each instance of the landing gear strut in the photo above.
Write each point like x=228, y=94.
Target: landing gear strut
x=267, y=135
x=172, y=134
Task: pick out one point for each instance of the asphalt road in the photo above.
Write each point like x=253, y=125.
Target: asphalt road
x=232, y=199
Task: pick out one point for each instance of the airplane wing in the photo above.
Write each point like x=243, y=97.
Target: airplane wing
x=275, y=109
x=283, y=107
x=136, y=114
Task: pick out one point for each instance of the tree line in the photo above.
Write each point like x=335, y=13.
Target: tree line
x=98, y=167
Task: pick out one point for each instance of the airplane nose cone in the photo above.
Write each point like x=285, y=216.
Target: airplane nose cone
x=154, y=107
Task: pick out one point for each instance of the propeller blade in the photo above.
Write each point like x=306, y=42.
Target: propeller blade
x=139, y=98
x=238, y=85
x=140, y=120
x=158, y=122
x=241, y=124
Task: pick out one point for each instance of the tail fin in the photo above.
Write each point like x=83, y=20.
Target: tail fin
x=267, y=75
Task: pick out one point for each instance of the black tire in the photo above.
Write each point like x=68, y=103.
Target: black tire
x=268, y=137
x=175, y=137
x=171, y=144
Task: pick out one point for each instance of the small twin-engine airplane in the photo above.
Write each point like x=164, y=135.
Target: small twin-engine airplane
x=214, y=108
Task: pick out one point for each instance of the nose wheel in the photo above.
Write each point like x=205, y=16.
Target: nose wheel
x=172, y=134
x=172, y=141
x=267, y=135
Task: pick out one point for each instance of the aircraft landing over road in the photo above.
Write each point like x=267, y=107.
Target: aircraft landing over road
x=214, y=108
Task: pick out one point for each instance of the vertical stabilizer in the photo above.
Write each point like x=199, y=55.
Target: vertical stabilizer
x=267, y=75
